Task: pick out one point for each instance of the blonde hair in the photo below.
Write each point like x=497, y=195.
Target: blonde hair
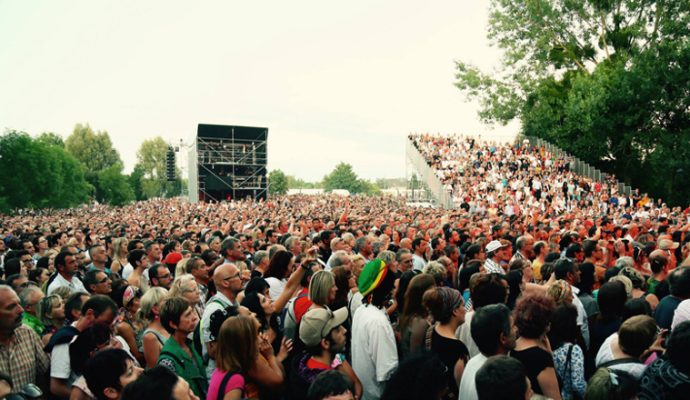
x=358, y=262
x=181, y=267
x=153, y=297
x=63, y=291
x=437, y=270
x=117, y=244
x=320, y=287
x=626, y=282
x=558, y=291
x=230, y=356
x=179, y=285
x=46, y=306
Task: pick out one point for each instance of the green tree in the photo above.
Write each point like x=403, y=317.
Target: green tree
x=95, y=152
x=51, y=138
x=135, y=182
x=115, y=188
x=369, y=187
x=151, y=160
x=605, y=80
x=547, y=38
x=343, y=177
x=93, y=149
x=297, y=183
x=38, y=175
x=277, y=182
x=151, y=156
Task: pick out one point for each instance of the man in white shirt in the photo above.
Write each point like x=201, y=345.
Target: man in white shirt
x=374, y=352
x=493, y=333
x=66, y=265
x=98, y=309
x=419, y=246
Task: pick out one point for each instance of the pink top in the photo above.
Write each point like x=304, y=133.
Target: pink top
x=235, y=382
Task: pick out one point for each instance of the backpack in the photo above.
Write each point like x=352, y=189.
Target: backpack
x=197, y=341
x=288, y=319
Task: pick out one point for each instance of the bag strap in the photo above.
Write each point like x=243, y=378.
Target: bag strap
x=349, y=310
x=428, y=335
x=221, y=389
x=292, y=314
x=566, y=372
x=625, y=360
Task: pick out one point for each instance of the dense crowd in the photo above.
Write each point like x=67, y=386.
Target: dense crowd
x=541, y=284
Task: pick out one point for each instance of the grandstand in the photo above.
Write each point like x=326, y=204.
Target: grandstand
x=456, y=170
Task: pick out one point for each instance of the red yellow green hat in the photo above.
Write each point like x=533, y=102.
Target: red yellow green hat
x=371, y=276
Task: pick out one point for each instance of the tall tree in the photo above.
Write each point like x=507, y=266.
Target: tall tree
x=93, y=149
x=605, y=80
x=277, y=182
x=95, y=152
x=151, y=157
x=135, y=182
x=115, y=188
x=51, y=138
x=151, y=161
x=344, y=177
x=38, y=175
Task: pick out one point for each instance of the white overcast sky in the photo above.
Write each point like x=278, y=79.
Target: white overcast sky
x=333, y=81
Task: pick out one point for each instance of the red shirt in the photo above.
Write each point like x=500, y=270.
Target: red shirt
x=302, y=305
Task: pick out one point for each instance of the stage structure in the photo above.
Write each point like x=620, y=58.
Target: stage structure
x=228, y=162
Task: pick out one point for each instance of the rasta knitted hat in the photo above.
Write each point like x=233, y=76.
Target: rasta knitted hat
x=371, y=276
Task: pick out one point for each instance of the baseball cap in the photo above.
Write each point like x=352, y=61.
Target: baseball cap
x=318, y=322
x=493, y=246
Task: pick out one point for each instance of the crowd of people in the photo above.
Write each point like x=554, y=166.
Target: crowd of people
x=541, y=284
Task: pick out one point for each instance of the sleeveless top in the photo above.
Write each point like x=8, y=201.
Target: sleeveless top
x=157, y=334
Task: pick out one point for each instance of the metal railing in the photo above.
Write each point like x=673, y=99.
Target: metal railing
x=428, y=177
x=576, y=165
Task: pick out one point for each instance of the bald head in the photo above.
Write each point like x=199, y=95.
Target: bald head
x=222, y=272
x=227, y=280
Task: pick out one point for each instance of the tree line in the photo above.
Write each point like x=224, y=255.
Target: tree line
x=342, y=176
x=608, y=81
x=49, y=172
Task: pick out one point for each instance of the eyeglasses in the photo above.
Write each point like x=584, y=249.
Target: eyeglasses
x=237, y=275
x=28, y=261
x=164, y=276
x=104, y=280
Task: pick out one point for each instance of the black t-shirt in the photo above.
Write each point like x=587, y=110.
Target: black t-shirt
x=449, y=351
x=534, y=360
